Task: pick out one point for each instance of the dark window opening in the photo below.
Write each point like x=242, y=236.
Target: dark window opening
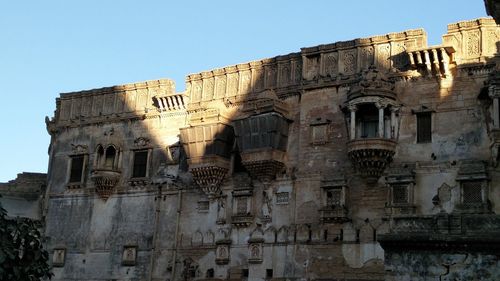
x=400, y=194
x=333, y=197
x=269, y=273
x=210, y=273
x=424, y=127
x=244, y=272
x=368, y=120
x=140, y=164
x=110, y=157
x=472, y=192
x=238, y=166
x=76, y=168
x=325, y=234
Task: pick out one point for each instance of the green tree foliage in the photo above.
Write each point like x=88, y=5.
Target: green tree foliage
x=22, y=256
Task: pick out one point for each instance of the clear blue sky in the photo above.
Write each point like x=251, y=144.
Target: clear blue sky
x=49, y=47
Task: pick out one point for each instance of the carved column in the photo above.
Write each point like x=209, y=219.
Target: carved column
x=495, y=113
x=352, y=109
x=493, y=95
x=435, y=62
x=380, y=107
x=394, y=122
x=427, y=63
x=445, y=57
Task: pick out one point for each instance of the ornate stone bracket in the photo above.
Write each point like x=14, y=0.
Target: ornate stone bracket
x=105, y=182
x=371, y=156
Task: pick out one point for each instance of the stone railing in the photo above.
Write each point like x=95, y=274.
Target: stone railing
x=125, y=100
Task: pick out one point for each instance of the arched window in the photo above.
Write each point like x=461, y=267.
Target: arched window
x=110, y=157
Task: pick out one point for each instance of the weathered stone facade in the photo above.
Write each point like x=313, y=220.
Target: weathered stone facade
x=298, y=166
x=25, y=196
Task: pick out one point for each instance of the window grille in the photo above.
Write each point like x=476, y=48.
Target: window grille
x=333, y=197
x=400, y=194
x=424, y=127
x=472, y=192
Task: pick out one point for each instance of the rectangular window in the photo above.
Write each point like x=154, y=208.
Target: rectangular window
x=140, y=164
x=472, y=192
x=424, y=127
x=76, y=172
x=269, y=273
x=334, y=197
x=282, y=198
x=203, y=206
x=400, y=194
x=241, y=206
x=369, y=128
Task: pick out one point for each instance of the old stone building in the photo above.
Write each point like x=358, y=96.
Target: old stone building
x=370, y=159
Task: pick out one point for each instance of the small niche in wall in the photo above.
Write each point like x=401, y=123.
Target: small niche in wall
x=320, y=131
x=59, y=257
x=129, y=255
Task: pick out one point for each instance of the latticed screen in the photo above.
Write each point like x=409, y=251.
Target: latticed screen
x=333, y=197
x=400, y=194
x=282, y=197
x=203, y=205
x=76, y=169
x=241, y=205
x=471, y=192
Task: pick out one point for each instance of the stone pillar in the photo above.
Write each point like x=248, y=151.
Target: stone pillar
x=492, y=93
x=495, y=113
x=352, y=109
x=427, y=63
x=435, y=62
x=380, y=107
x=394, y=122
x=445, y=57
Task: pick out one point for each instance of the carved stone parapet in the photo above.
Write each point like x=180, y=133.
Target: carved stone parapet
x=105, y=182
x=371, y=156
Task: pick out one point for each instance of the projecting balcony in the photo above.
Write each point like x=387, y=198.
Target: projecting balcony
x=336, y=214
x=371, y=156
x=105, y=181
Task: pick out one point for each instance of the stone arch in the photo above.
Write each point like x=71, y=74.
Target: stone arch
x=270, y=235
x=209, y=238
x=349, y=233
x=282, y=236
x=366, y=233
x=303, y=233
x=197, y=239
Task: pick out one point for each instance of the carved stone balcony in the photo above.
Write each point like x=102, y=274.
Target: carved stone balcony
x=208, y=145
x=242, y=220
x=262, y=141
x=371, y=156
x=335, y=214
x=105, y=181
x=263, y=163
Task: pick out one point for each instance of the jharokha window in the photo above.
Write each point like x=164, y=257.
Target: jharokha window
x=140, y=169
x=76, y=169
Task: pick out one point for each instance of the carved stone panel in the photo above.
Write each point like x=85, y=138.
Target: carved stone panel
x=59, y=257
x=258, y=79
x=220, y=87
x=284, y=75
x=86, y=106
x=366, y=58
x=232, y=84
x=270, y=76
x=399, y=56
x=255, y=253
x=312, y=67
x=348, y=62
x=331, y=64
x=222, y=254
x=129, y=255
x=473, y=45
x=208, y=89
x=197, y=91
x=76, y=108
x=383, y=57
x=246, y=82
